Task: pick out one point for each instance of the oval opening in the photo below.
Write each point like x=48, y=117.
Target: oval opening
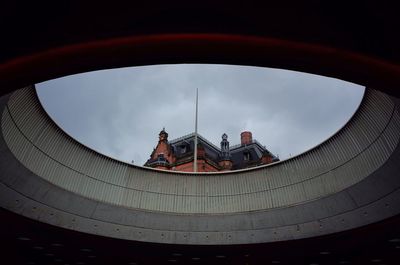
x=267, y=114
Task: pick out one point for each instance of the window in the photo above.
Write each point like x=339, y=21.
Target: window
x=183, y=149
x=246, y=156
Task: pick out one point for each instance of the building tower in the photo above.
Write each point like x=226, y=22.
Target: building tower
x=162, y=156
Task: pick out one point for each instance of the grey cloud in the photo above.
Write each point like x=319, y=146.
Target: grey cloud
x=120, y=112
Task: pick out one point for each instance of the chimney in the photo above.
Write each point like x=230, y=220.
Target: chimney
x=246, y=138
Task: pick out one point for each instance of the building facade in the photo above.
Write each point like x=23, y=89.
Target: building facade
x=178, y=154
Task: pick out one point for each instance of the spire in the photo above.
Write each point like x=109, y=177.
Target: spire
x=163, y=135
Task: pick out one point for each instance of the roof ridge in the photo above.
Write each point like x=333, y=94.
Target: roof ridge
x=191, y=135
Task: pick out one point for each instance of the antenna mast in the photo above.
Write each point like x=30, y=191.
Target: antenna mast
x=195, y=133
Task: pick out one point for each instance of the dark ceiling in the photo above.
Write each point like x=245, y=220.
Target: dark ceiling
x=25, y=241
x=353, y=40
x=368, y=27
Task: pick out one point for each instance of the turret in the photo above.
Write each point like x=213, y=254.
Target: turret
x=225, y=152
x=225, y=161
x=162, y=156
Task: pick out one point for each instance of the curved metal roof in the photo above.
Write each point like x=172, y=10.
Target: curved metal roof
x=316, y=187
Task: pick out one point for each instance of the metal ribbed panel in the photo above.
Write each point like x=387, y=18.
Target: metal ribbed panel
x=362, y=146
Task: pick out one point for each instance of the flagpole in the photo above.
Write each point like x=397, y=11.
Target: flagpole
x=195, y=133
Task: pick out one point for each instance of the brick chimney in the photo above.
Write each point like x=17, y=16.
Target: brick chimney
x=246, y=138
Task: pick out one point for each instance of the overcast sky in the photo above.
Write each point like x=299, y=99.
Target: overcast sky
x=120, y=112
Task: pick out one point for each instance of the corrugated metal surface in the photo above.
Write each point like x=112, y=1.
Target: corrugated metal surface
x=361, y=147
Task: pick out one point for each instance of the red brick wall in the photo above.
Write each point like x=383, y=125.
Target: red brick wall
x=202, y=166
x=266, y=159
x=163, y=147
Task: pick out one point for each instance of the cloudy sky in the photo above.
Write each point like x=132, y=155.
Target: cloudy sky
x=120, y=112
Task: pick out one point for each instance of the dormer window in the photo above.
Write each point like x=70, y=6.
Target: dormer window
x=246, y=156
x=183, y=149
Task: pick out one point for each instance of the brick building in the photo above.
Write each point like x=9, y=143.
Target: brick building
x=178, y=154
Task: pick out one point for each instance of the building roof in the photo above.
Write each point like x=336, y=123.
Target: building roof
x=242, y=156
